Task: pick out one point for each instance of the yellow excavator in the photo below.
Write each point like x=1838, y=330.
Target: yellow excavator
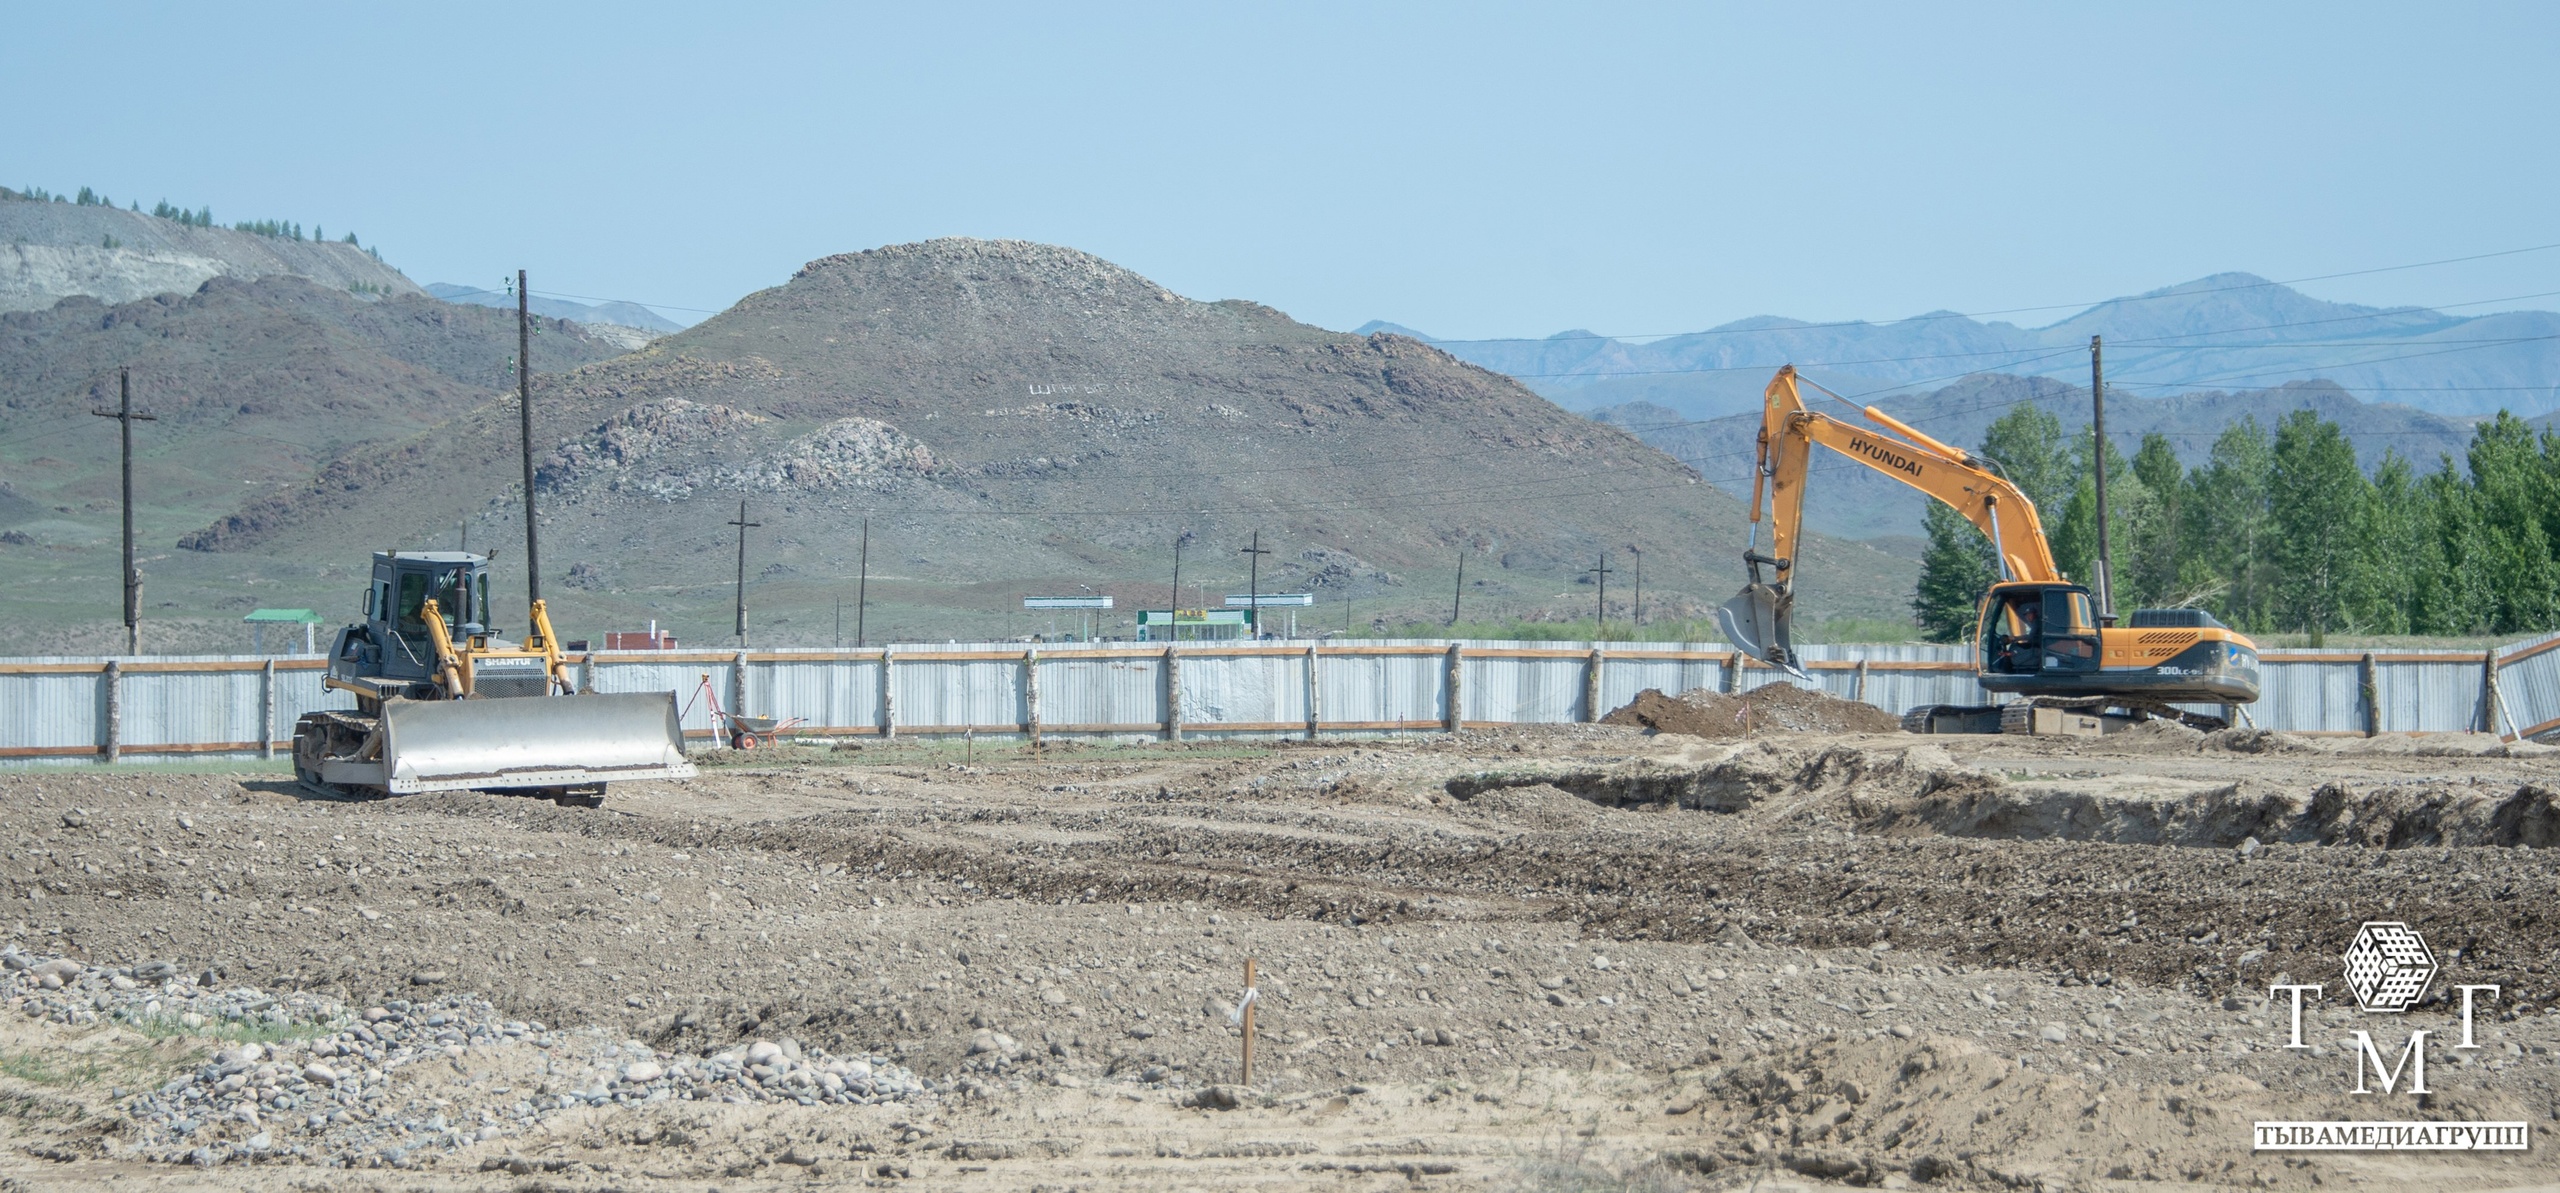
x=2039, y=636
x=443, y=703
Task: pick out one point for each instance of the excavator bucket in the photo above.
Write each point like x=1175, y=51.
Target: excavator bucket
x=531, y=742
x=1756, y=622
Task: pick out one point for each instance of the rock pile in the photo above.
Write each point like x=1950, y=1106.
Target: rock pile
x=319, y=1084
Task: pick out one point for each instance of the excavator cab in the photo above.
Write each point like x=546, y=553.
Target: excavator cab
x=2039, y=629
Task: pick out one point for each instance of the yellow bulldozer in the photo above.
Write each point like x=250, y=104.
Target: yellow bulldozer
x=2037, y=633
x=443, y=703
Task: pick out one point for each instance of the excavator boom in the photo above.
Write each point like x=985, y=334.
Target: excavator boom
x=2037, y=633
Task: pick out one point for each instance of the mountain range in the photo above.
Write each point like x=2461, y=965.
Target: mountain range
x=2224, y=332
x=617, y=314
x=1006, y=418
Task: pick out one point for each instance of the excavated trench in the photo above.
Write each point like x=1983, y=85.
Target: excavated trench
x=1920, y=790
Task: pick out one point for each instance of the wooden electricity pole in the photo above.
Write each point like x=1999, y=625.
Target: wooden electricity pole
x=124, y=416
x=742, y=524
x=1458, y=595
x=1639, y=586
x=524, y=411
x=2098, y=466
x=1253, y=581
x=1602, y=572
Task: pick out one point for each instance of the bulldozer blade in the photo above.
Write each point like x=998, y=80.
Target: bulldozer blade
x=1755, y=620
x=531, y=742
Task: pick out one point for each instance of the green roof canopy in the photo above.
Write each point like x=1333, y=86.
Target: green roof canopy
x=305, y=616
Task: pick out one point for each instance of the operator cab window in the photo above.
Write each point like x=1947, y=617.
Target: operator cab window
x=2014, y=635
x=451, y=593
x=413, y=603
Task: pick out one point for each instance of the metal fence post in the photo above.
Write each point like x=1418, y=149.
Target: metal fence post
x=267, y=710
x=1172, y=693
x=114, y=680
x=1455, y=695
x=2372, y=691
x=1591, y=688
x=1031, y=693
x=888, y=700
x=1315, y=692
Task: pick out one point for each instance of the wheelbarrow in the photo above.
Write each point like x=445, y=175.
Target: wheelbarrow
x=744, y=732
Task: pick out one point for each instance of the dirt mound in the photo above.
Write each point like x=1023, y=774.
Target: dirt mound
x=1772, y=708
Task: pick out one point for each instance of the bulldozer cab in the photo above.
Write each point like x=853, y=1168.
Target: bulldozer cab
x=2038, y=629
x=395, y=606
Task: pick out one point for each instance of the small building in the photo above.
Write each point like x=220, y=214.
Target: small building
x=1194, y=625
x=260, y=619
x=648, y=639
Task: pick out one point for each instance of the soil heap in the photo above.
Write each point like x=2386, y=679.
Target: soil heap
x=1772, y=708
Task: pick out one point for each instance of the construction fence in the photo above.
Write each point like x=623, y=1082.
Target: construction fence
x=99, y=709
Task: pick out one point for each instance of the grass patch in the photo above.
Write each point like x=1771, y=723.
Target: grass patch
x=41, y=1070
x=229, y=1031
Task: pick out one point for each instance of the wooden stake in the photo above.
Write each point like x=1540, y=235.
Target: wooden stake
x=1248, y=1020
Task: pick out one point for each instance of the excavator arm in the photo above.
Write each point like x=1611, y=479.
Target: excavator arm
x=1758, y=620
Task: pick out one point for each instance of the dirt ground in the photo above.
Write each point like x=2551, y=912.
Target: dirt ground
x=1571, y=958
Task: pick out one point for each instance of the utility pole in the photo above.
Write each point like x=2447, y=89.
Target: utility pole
x=524, y=409
x=862, y=588
x=1639, y=584
x=742, y=524
x=1172, y=629
x=124, y=416
x=2098, y=463
x=1458, y=595
x=1602, y=572
x=1253, y=581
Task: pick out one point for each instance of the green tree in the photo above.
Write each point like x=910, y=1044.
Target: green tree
x=2227, y=527
x=2511, y=483
x=2459, y=598
x=1959, y=563
x=2153, y=555
x=2027, y=444
x=1955, y=570
x=2075, y=535
x=2401, y=551
x=2321, y=504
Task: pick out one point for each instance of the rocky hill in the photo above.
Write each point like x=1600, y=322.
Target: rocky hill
x=1017, y=418
x=255, y=385
x=50, y=251
x=2209, y=334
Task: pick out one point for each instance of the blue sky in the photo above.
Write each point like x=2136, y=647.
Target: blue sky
x=1472, y=170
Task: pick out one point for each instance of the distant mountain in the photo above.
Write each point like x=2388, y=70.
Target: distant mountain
x=50, y=251
x=619, y=314
x=1845, y=499
x=2214, y=333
